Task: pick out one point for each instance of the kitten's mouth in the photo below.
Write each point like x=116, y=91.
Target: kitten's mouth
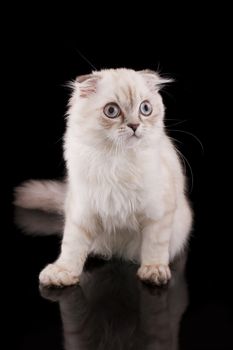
x=134, y=135
x=133, y=138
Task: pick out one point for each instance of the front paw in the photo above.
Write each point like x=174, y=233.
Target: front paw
x=58, y=276
x=156, y=274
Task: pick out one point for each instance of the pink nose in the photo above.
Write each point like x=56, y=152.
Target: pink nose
x=133, y=126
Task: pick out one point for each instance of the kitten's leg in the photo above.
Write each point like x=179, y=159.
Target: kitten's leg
x=68, y=267
x=155, y=250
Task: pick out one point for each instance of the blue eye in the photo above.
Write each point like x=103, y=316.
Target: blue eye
x=145, y=108
x=112, y=110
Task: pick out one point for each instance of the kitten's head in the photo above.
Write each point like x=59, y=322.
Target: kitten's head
x=118, y=107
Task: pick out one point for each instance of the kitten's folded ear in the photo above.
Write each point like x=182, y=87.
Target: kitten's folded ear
x=87, y=84
x=154, y=80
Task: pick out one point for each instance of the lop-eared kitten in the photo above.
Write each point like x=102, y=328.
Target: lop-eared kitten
x=125, y=189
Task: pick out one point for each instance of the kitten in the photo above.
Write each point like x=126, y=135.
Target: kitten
x=125, y=189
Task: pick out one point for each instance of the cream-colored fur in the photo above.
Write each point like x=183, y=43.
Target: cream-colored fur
x=125, y=191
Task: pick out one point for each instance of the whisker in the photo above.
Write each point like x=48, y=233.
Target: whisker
x=85, y=59
x=194, y=136
x=171, y=119
x=180, y=122
x=60, y=138
x=173, y=138
x=169, y=95
x=183, y=161
x=190, y=168
x=158, y=69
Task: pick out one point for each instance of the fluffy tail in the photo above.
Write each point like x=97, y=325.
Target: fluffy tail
x=43, y=195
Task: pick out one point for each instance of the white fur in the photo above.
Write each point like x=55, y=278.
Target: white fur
x=125, y=194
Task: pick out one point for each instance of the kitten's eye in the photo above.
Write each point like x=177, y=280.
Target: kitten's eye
x=145, y=108
x=112, y=110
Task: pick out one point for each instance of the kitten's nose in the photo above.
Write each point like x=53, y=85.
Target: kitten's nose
x=133, y=126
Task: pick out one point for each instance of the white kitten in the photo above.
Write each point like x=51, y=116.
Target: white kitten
x=125, y=187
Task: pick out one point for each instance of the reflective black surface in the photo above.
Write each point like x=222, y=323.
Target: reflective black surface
x=111, y=308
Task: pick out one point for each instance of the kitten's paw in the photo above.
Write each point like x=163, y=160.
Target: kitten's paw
x=57, y=275
x=155, y=274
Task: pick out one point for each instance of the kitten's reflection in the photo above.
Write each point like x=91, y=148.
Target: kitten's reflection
x=111, y=308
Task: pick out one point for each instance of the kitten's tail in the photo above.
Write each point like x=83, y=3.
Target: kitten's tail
x=44, y=195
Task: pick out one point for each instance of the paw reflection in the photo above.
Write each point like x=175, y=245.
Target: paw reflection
x=112, y=309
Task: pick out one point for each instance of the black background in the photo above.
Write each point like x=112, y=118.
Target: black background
x=42, y=56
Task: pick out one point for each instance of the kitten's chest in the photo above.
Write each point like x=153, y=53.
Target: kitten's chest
x=115, y=187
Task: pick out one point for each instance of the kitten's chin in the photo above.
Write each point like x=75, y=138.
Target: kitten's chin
x=132, y=141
